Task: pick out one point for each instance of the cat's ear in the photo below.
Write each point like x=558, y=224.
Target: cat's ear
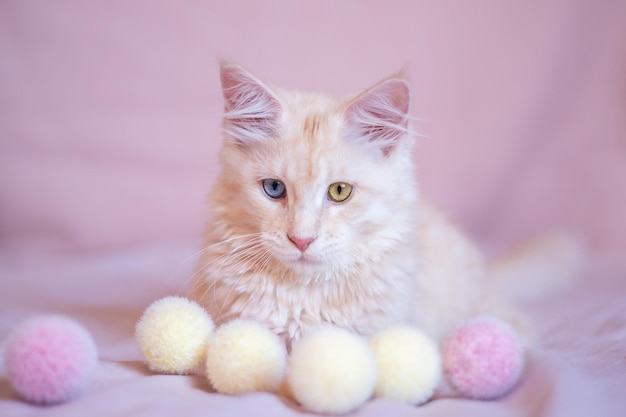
x=379, y=116
x=252, y=111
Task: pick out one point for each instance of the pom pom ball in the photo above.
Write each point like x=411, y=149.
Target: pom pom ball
x=245, y=356
x=172, y=334
x=50, y=359
x=409, y=364
x=483, y=359
x=332, y=370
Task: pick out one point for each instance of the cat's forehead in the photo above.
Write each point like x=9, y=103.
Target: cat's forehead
x=306, y=114
x=313, y=139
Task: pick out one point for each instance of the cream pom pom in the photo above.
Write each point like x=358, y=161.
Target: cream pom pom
x=173, y=334
x=245, y=356
x=409, y=364
x=332, y=370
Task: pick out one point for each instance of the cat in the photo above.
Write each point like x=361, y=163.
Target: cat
x=316, y=218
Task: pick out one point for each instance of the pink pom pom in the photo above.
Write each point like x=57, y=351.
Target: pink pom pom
x=483, y=359
x=50, y=359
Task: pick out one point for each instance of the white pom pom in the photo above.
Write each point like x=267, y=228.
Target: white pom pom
x=409, y=364
x=245, y=356
x=172, y=334
x=332, y=370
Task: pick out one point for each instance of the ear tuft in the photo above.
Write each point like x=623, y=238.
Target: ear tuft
x=252, y=111
x=379, y=116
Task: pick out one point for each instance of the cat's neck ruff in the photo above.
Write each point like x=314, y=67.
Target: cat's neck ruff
x=364, y=296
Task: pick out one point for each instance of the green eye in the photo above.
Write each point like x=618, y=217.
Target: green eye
x=274, y=188
x=339, y=191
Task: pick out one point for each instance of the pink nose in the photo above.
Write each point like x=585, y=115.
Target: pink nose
x=301, y=243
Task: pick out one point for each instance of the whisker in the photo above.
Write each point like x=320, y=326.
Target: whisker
x=204, y=251
x=261, y=261
x=239, y=255
x=239, y=251
x=250, y=259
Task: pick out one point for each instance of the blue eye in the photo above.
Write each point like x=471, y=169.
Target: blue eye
x=274, y=188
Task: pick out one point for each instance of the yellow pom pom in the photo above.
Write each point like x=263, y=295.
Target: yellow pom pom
x=332, y=371
x=173, y=334
x=245, y=356
x=409, y=364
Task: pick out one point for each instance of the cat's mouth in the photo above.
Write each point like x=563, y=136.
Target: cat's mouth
x=307, y=260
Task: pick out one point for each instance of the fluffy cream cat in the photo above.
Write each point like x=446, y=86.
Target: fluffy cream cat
x=316, y=217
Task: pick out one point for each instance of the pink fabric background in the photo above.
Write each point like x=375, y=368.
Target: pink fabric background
x=109, y=128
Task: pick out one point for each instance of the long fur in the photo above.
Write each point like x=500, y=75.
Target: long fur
x=379, y=258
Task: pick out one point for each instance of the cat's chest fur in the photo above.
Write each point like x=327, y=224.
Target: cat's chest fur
x=366, y=299
x=432, y=278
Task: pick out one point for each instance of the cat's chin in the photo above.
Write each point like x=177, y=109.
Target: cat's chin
x=307, y=260
x=305, y=263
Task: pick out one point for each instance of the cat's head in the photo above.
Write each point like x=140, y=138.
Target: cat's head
x=318, y=183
